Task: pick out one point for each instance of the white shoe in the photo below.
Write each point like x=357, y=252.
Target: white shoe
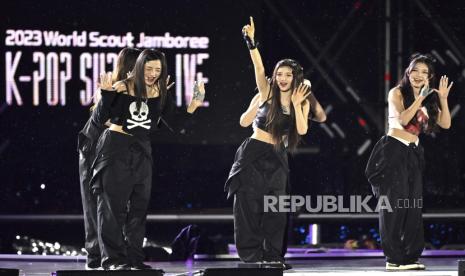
x=420, y=265
x=397, y=267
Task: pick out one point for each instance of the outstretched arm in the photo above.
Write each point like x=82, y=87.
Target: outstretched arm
x=184, y=120
x=248, y=31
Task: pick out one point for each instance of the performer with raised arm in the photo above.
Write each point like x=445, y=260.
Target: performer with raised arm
x=280, y=114
x=396, y=164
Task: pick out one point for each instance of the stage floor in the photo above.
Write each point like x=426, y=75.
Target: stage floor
x=44, y=265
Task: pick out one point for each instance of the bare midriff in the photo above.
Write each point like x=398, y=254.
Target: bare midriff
x=261, y=135
x=402, y=134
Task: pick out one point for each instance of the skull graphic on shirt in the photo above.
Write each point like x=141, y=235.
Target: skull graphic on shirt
x=141, y=114
x=139, y=117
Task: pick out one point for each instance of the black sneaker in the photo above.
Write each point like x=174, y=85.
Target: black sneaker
x=93, y=267
x=140, y=266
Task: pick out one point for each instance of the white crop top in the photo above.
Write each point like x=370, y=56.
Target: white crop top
x=394, y=117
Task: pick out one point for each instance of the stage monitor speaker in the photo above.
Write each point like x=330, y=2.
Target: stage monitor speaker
x=243, y=272
x=9, y=272
x=148, y=272
x=461, y=268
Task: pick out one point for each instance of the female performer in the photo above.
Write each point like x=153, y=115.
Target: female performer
x=87, y=140
x=395, y=167
x=260, y=167
x=122, y=171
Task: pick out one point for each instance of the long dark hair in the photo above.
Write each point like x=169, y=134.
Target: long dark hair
x=275, y=119
x=137, y=76
x=431, y=102
x=125, y=63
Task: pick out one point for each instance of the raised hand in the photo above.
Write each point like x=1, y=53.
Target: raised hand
x=199, y=94
x=444, y=87
x=249, y=29
x=300, y=94
x=105, y=82
x=168, y=84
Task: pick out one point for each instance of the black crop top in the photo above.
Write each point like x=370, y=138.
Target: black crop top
x=121, y=109
x=116, y=107
x=260, y=119
x=135, y=121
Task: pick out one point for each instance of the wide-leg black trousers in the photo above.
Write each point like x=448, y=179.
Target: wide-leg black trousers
x=395, y=171
x=122, y=179
x=258, y=170
x=87, y=140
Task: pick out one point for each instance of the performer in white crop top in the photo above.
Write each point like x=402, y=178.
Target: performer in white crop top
x=396, y=164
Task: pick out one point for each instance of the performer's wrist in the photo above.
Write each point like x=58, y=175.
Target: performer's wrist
x=251, y=42
x=108, y=90
x=191, y=108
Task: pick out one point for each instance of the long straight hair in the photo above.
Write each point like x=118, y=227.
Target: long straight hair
x=275, y=119
x=431, y=102
x=138, y=78
x=124, y=65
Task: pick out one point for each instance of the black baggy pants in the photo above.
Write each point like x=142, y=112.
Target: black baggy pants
x=87, y=140
x=395, y=171
x=123, y=179
x=258, y=171
x=89, y=205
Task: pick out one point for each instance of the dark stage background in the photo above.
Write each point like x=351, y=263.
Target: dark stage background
x=341, y=45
